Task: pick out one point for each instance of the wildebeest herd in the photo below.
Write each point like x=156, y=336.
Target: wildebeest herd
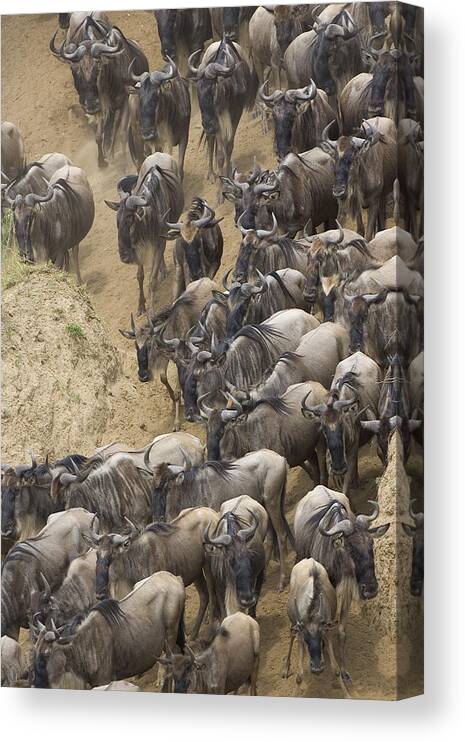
x=306, y=350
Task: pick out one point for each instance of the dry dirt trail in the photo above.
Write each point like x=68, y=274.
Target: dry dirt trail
x=39, y=97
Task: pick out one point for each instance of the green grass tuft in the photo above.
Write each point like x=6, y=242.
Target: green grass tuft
x=75, y=330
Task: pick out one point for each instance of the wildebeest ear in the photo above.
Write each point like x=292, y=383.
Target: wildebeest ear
x=379, y=531
x=127, y=334
x=112, y=204
x=368, y=58
x=326, y=147
x=88, y=541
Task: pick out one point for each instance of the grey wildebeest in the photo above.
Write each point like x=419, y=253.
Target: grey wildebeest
x=244, y=358
x=182, y=31
x=159, y=114
x=249, y=304
x=354, y=396
x=156, y=342
x=329, y=54
x=145, y=202
x=299, y=117
x=100, y=55
x=13, y=157
x=34, y=177
x=277, y=424
x=14, y=662
x=298, y=191
x=116, y=640
x=411, y=162
x=315, y=358
x=48, y=554
x=327, y=530
x=391, y=90
x=113, y=489
x=264, y=46
x=365, y=169
x=50, y=226
x=311, y=607
x=237, y=555
x=172, y=448
x=222, y=665
x=262, y=474
x=199, y=245
x=176, y=547
x=416, y=532
x=226, y=85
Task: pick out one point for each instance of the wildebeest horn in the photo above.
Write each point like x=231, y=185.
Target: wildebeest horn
x=363, y=521
x=165, y=76
x=33, y=459
x=332, y=30
x=418, y=518
x=373, y=298
x=135, y=202
x=147, y=455
x=213, y=69
x=306, y=93
x=132, y=75
x=246, y=534
x=67, y=478
x=263, y=282
x=55, y=51
x=343, y=528
x=190, y=62
x=207, y=216
x=340, y=404
x=223, y=539
x=243, y=230
x=34, y=198
x=263, y=234
x=316, y=410
x=348, y=24
x=266, y=187
x=99, y=48
x=225, y=278
x=47, y=588
x=340, y=236
x=76, y=53
x=134, y=529
x=270, y=100
x=204, y=409
x=227, y=415
x=204, y=355
x=325, y=135
x=40, y=625
x=235, y=404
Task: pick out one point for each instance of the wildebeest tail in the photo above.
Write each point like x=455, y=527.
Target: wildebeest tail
x=181, y=637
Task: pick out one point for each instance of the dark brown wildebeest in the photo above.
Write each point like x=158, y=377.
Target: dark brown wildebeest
x=47, y=555
x=222, y=665
x=130, y=635
x=237, y=555
x=416, y=533
x=13, y=157
x=159, y=114
x=262, y=474
x=177, y=547
x=390, y=90
x=100, y=55
x=199, y=245
x=49, y=227
x=327, y=530
x=226, y=85
x=182, y=31
x=365, y=169
x=145, y=202
x=157, y=341
x=299, y=117
x=411, y=162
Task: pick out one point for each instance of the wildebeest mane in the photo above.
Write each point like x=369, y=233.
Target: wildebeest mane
x=312, y=543
x=161, y=528
x=244, y=367
x=164, y=314
x=277, y=404
x=111, y=611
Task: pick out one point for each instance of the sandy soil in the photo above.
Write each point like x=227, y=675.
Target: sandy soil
x=39, y=97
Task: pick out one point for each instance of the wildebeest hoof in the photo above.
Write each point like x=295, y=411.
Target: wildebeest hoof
x=298, y=679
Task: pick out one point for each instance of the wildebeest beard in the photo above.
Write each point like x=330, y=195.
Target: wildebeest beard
x=23, y=225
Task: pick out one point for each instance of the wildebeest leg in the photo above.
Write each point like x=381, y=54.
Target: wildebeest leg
x=287, y=662
x=179, y=284
x=99, y=140
x=313, y=468
x=360, y=224
x=254, y=676
x=381, y=216
x=158, y=260
x=211, y=152
x=342, y=650
x=175, y=395
x=140, y=279
x=300, y=660
x=321, y=457
x=182, y=155
x=258, y=589
x=75, y=255
x=371, y=224
x=201, y=587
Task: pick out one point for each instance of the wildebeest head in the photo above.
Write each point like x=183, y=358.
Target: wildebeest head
x=107, y=545
x=129, y=212
x=146, y=348
x=187, y=670
x=347, y=153
x=239, y=296
x=231, y=20
x=166, y=22
x=22, y=495
x=25, y=209
x=252, y=240
x=316, y=623
x=217, y=421
x=229, y=548
x=323, y=270
x=335, y=417
x=328, y=60
x=354, y=537
x=393, y=72
x=206, y=78
x=162, y=474
x=288, y=25
x=385, y=427
x=286, y=106
x=358, y=307
x=150, y=87
x=416, y=532
x=188, y=233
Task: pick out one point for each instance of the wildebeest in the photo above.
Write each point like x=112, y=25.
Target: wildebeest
x=34, y=178
x=100, y=55
x=264, y=46
x=222, y=665
x=48, y=554
x=327, y=530
x=226, y=85
x=243, y=359
x=392, y=242
x=249, y=304
x=232, y=23
x=311, y=607
x=237, y=555
x=365, y=169
x=159, y=114
x=117, y=639
x=277, y=424
x=299, y=117
x=113, y=489
x=50, y=226
x=14, y=662
x=390, y=90
x=145, y=202
x=156, y=342
x=199, y=245
x=416, y=532
x=173, y=448
x=329, y=54
x=13, y=157
x=411, y=162
x=416, y=393
x=262, y=474
x=176, y=547
x=354, y=396
x=182, y=31
x=298, y=191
